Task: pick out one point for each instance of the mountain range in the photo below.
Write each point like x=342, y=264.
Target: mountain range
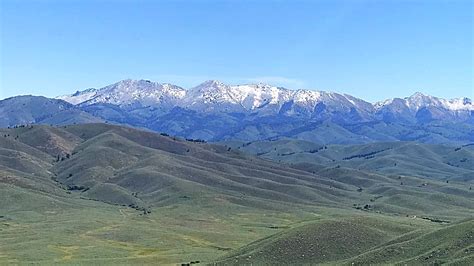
x=216, y=111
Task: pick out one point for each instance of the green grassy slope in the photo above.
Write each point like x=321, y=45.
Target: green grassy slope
x=362, y=240
x=451, y=244
x=105, y=194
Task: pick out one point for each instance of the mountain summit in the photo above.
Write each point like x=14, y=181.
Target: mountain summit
x=126, y=92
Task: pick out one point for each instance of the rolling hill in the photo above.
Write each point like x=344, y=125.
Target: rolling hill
x=118, y=194
x=401, y=158
x=361, y=241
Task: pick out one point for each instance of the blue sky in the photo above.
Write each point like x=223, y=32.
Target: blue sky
x=370, y=49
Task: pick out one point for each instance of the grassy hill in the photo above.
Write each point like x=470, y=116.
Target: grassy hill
x=362, y=241
x=98, y=193
x=441, y=162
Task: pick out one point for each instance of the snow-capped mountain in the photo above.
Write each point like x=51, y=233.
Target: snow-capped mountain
x=262, y=99
x=266, y=99
x=424, y=108
x=79, y=96
x=211, y=96
x=217, y=111
x=420, y=100
x=215, y=96
x=129, y=92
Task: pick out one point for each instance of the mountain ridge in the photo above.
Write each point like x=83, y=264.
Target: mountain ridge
x=215, y=111
x=238, y=93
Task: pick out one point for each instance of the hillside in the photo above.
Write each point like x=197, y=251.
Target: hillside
x=118, y=194
x=441, y=162
x=361, y=241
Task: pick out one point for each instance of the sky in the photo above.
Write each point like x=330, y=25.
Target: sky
x=370, y=49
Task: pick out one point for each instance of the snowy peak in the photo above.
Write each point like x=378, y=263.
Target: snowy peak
x=126, y=92
x=143, y=91
x=210, y=86
x=206, y=95
x=417, y=95
x=87, y=91
x=79, y=96
x=257, y=96
x=234, y=97
x=419, y=100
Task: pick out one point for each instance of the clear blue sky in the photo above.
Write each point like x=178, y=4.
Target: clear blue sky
x=370, y=49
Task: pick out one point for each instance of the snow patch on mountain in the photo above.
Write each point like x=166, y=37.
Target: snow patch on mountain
x=79, y=96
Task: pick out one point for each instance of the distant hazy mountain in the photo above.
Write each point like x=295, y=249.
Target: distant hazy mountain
x=217, y=111
x=424, y=108
x=37, y=109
